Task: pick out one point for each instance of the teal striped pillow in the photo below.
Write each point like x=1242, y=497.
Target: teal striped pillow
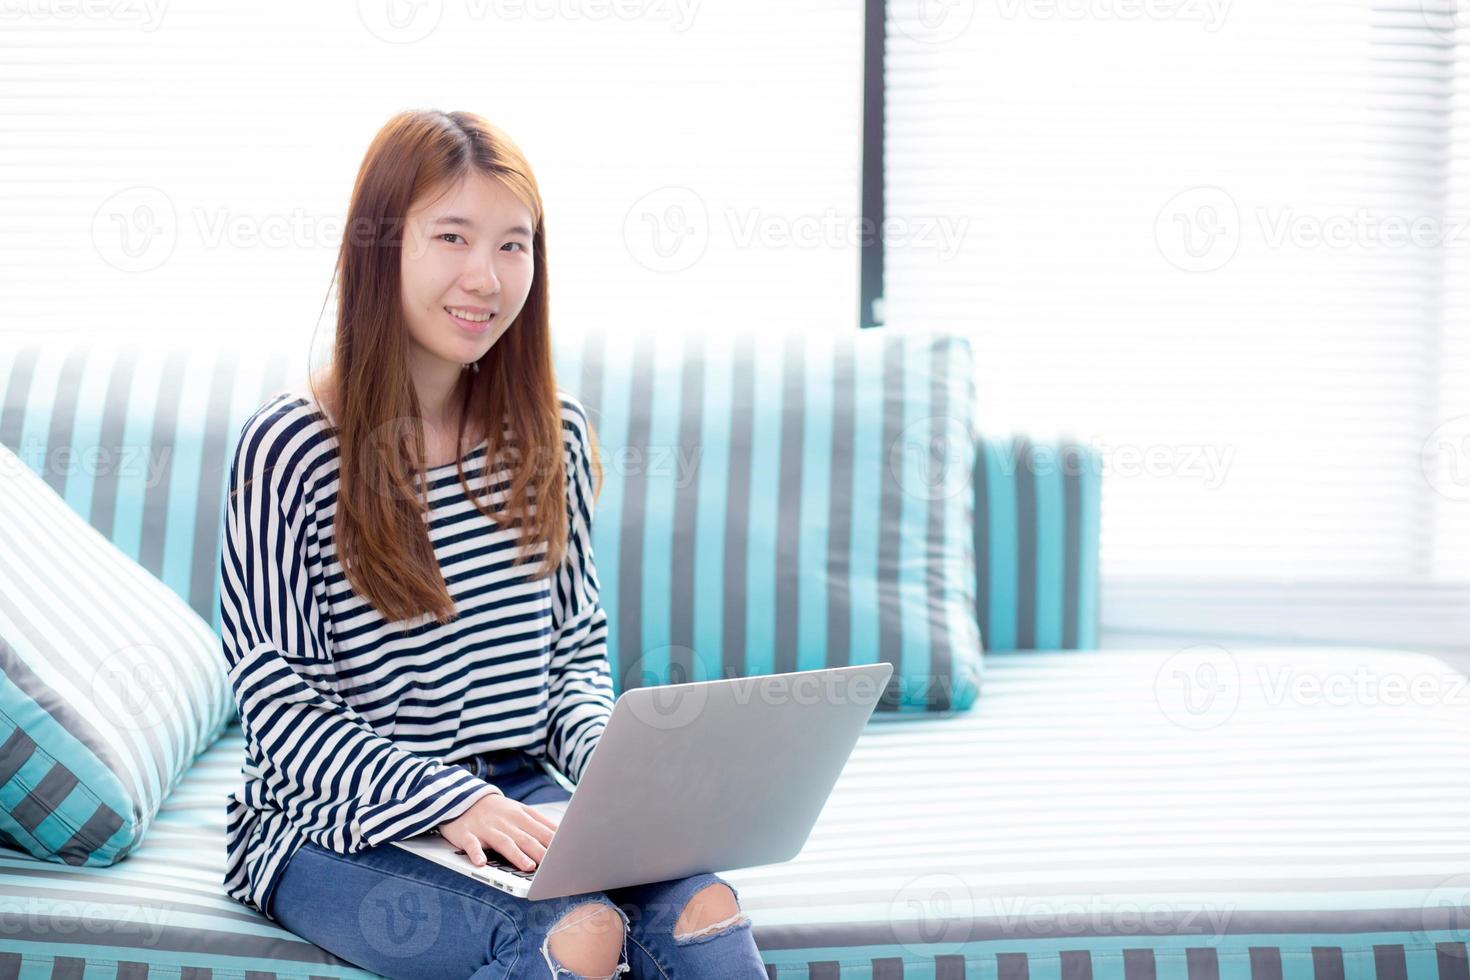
x=109, y=684
x=1038, y=507
x=136, y=438
x=773, y=504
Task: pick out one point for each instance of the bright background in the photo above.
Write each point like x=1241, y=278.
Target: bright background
x=1225, y=241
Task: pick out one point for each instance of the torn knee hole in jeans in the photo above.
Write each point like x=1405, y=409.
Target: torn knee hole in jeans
x=712, y=930
x=571, y=919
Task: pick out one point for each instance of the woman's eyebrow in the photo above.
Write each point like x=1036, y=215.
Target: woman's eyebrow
x=459, y=222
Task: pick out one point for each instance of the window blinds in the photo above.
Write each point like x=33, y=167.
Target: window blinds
x=1185, y=241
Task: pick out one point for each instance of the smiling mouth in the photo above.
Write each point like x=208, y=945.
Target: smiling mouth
x=464, y=313
x=479, y=324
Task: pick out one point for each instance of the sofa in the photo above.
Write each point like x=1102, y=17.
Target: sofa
x=1084, y=812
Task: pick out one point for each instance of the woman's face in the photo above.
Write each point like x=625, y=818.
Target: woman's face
x=466, y=253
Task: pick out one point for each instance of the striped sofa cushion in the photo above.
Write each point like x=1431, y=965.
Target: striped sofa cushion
x=136, y=440
x=1037, y=509
x=774, y=504
x=109, y=684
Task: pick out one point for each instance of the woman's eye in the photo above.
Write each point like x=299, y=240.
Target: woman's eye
x=449, y=234
x=516, y=244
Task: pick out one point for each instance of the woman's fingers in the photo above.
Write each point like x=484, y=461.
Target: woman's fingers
x=518, y=833
x=532, y=841
x=538, y=828
x=545, y=821
x=532, y=848
x=511, y=851
x=470, y=846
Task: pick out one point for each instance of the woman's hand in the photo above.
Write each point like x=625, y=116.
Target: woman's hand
x=517, y=832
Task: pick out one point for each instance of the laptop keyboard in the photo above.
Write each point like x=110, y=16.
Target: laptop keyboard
x=493, y=860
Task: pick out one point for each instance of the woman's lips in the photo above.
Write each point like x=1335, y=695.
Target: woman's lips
x=471, y=326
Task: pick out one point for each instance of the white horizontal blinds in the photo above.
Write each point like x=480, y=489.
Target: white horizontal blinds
x=193, y=175
x=1164, y=254
x=1447, y=449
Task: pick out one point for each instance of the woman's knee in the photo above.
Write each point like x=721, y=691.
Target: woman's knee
x=710, y=911
x=589, y=939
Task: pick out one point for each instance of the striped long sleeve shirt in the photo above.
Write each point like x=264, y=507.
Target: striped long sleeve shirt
x=353, y=724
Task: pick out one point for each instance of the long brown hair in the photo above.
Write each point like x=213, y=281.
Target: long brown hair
x=381, y=537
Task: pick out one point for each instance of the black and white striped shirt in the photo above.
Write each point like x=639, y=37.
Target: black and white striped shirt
x=353, y=724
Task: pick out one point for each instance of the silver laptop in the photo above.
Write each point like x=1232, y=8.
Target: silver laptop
x=688, y=778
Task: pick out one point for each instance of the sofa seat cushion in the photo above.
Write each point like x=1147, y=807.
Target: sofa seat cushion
x=1267, y=813
x=1090, y=817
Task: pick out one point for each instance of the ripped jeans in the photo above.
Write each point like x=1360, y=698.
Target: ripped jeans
x=398, y=915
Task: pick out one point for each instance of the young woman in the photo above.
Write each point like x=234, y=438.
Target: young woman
x=410, y=607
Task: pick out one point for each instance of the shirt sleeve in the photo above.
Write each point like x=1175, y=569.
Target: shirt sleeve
x=339, y=782
x=580, y=683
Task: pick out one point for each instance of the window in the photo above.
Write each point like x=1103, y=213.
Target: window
x=1210, y=237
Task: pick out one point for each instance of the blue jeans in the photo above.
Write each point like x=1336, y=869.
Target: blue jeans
x=401, y=916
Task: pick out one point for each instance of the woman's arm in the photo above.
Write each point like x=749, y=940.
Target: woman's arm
x=339, y=782
x=580, y=683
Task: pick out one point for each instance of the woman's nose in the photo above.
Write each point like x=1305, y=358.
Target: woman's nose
x=482, y=279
